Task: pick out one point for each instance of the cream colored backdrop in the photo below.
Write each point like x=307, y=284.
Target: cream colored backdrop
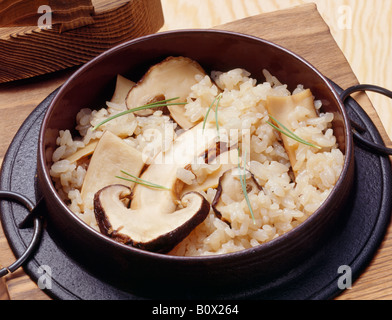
x=362, y=29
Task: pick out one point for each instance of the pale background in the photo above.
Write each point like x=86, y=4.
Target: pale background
x=361, y=28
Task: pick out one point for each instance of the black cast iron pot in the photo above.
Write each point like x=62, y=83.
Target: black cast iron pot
x=166, y=275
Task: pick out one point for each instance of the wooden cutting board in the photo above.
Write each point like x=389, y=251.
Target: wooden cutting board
x=308, y=36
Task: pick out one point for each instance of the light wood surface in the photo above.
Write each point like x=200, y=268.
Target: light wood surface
x=361, y=28
x=18, y=99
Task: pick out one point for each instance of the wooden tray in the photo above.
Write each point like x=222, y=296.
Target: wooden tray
x=309, y=37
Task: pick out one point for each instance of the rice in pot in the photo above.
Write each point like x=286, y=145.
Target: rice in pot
x=281, y=204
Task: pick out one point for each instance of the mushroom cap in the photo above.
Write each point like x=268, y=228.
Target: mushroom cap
x=171, y=78
x=148, y=228
x=230, y=187
x=156, y=219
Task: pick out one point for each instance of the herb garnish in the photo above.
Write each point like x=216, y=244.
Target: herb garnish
x=157, y=104
x=243, y=185
x=287, y=132
x=141, y=181
x=216, y=100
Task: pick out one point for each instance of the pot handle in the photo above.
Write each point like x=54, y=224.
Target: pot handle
x=37, y=222
x=376, y=148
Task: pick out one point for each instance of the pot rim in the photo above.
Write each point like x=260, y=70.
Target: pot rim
x=264, y=247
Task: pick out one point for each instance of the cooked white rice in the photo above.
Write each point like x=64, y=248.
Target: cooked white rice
x=278, y=208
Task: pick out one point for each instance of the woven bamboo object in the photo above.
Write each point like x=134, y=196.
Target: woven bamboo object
x=78, y=34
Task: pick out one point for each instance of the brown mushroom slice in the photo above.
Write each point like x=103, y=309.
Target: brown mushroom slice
x=157, y=203
x=163, y=170
x=149, y=112
x=123, y=86
x=230, y=190
x=171, y=78
x=111, y=155
x=281, y=107
x=223, y=162
x=149, y=227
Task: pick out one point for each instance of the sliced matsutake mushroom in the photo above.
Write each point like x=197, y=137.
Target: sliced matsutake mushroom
x=149, y=227
x=149, y=112
x=123, y=86
x=171, y=78
x=83, y=152
x=209, y=174
x=149, y=222
x=230, y=190
x=281, y=108
x=110, y=156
